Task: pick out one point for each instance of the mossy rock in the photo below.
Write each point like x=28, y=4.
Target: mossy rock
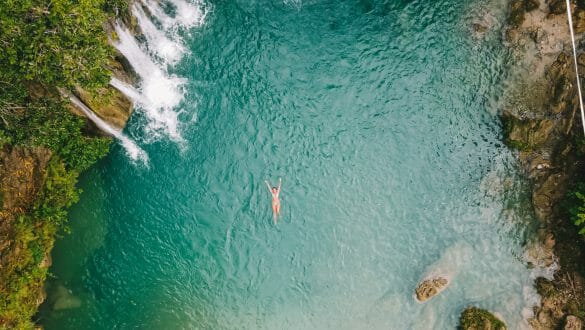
x=473, y=318
x=526, y=134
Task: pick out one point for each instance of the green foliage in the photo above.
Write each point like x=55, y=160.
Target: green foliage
x=50, y=124
x=59, y=193
x=577, y=208
x=22, y=279
x=4, y=139
x=54, y=42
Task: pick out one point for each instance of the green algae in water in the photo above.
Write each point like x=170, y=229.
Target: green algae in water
x=379, y=118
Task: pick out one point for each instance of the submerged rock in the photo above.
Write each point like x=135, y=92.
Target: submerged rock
x=64, y=299
x=430, y=288
x=473, y=318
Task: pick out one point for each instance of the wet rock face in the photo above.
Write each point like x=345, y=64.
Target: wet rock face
x=429, y=288
x=560, y=78
x=540, y=133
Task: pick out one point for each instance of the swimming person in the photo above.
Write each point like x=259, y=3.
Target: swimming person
x=275, y=201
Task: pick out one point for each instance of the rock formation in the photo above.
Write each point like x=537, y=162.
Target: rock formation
x=429, y=288
x=473, y=318
x=542, y=122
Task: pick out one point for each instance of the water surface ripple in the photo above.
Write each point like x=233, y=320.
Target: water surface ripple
x=378, y=116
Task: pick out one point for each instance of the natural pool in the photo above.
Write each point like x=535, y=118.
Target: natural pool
x=380, y=117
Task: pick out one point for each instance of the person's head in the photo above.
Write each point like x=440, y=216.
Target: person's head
x=274, y=189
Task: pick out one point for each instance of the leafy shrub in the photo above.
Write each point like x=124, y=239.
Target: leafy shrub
x=577, y=210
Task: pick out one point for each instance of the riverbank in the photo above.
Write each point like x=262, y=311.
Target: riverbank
x=44, y=146
x=542, y=122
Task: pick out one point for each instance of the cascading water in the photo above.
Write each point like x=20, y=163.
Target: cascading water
x=132, y=149
x=160, y=92
x=126, y=89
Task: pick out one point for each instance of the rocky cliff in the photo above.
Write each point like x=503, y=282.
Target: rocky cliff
x=543, y=123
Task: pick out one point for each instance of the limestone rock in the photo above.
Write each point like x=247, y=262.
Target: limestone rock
x=573, y=323
x=430, y=288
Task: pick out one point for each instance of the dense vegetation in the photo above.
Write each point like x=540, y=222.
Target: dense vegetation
x=46, y=45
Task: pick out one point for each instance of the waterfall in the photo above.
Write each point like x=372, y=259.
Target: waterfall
x=132, y=149
x=126, y=89
x=160, y=93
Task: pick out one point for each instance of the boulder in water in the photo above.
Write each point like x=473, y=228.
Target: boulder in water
x=430, y=288
x=473, y=318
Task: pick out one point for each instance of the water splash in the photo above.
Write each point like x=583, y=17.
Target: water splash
x=133, y=150
x=160, y=93
x=166, y=50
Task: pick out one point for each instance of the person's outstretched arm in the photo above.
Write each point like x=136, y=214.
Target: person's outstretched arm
x=279, y=184
x=268, y=185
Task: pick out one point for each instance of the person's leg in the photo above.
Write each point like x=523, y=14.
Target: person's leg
x=274, y=211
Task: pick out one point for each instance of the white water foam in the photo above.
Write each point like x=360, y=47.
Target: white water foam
x=132, y=149
x=165, y=49
x=159, y=93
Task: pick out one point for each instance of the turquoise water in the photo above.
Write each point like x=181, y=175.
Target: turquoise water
x=380, y=119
